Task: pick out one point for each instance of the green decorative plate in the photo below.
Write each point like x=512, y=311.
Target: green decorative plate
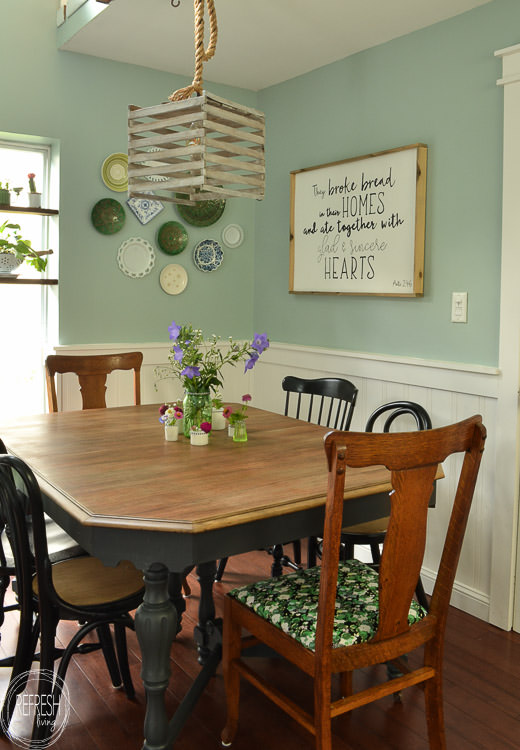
x=203, y=214
x=172, y=238
x=114, y=172
x=108, y=216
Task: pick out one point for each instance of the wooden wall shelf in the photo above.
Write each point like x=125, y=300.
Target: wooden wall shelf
x=7, y=279
x=26, y=210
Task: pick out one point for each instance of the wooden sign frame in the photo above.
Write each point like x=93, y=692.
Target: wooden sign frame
x=358, y=225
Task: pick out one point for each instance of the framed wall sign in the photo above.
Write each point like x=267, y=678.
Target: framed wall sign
x=357, y=225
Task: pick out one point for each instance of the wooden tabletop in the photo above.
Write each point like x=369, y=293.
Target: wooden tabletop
x=113, y=468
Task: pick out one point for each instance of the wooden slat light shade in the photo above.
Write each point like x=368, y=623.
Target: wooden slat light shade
x=197, y=149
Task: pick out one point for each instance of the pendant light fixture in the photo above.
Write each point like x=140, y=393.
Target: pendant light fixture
x=196, y=146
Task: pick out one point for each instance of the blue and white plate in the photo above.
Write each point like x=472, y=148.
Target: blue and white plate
x=144, y=209
x=208, y=255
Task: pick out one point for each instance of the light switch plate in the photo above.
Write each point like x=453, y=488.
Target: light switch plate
x=459, y=307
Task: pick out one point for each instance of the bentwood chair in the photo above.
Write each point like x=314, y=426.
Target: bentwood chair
x=343, y=615
x=80, y=589
x=372, y=533
x=325, y=401
x=92, y=371
x=61, y=546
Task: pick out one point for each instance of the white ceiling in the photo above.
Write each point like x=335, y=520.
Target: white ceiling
x=260, y=42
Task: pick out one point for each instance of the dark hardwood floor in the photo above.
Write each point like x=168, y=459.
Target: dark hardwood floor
x=482, y=693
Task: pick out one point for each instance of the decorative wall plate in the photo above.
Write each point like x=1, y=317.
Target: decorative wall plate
x=172, y=237
x=108, y=216
x=233, y=235
x=203, y=214
x=136, y=257
x=208, y=255
x=114, y=172
x=145, y=210
x=173, y=279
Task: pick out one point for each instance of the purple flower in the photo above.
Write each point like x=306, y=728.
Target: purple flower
x=260, y=342
x=174, y=331
x=191, y=372
x=251, y=362
x=205, y=427
x=162, y=409
x=246, y=398
x=178, y=354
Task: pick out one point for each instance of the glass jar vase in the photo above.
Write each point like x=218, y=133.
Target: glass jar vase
x=197, y=408
x=240, y=432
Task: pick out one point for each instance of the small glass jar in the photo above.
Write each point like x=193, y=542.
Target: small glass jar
x=240, y=433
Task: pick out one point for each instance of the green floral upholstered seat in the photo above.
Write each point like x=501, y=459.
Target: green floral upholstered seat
x=291, y=603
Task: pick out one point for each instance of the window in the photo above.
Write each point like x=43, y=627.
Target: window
x=25, y=310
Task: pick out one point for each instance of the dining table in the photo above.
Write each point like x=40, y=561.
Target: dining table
x=113, y=482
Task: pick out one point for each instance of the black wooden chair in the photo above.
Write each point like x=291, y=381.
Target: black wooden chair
x=373, y=533
x=325, y=401
x=60, y=545
x=80, y=589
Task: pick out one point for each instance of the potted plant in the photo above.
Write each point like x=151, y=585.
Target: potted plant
x=14, y=250
x=35, y=198
x=217, y=418
x=5, y=194
x=199, y=363
x=199, y=433
x=170, y=416
x=237, y=420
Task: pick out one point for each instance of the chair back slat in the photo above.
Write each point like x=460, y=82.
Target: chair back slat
x=413, y=459
x=92, y=371
x=332, y=398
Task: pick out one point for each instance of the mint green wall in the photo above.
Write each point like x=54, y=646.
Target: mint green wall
x=436, y=86
x=81, y=101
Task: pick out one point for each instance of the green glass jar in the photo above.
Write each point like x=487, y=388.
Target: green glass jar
x=197, y=408
x=240, y=433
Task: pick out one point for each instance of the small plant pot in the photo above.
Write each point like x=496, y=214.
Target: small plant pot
x=217, y=420
x=35, y=200
x=9, y=263
x=171, y=432
x=5, y=197
x=199, y=437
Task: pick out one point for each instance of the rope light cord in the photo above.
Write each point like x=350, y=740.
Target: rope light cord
x=201, y=55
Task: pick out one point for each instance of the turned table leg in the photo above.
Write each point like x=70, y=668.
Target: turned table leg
x=155, y=625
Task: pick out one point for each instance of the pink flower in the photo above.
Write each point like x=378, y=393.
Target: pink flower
x=162, y=409
x=246, y=398
x=228, y=411
x=178, y=414
x=205, y=427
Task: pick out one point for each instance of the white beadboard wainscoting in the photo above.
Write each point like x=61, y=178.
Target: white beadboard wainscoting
x=450, y=392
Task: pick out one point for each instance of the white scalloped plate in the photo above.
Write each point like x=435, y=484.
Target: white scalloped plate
x=173, y=278
x=233, y=235
x=136, y=257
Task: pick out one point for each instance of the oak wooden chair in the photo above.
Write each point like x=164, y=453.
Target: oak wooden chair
x=92, y=371
x=79, y=589
x=325, y=401
x=343, y=616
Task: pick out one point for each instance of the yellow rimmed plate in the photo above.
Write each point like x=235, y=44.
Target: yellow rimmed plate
x=114, y=172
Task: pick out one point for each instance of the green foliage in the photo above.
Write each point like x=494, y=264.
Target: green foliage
x=12, y=242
